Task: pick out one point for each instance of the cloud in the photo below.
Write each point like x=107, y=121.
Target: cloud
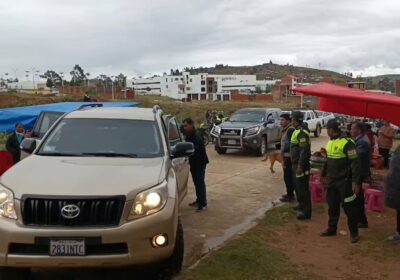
x=133, y=36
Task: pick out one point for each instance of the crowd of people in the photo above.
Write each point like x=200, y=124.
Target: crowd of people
x=347, y=167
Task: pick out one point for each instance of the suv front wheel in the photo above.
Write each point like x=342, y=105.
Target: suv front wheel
x=317, y=132
x=263, y=147
x=173, y=265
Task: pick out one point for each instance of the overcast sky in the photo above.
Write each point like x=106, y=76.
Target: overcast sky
x=153, y=36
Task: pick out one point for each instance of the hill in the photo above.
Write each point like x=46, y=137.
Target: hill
x=272, y=71
x=383, y=82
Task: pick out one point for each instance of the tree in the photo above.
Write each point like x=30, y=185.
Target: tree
x=258, y=90
x=78, y=76
x=53, y=78
x=121, y=80
x=49, y=83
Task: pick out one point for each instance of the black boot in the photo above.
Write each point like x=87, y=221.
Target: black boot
x=328, y=232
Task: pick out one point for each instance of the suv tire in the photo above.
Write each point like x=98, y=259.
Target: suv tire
x=173, y=265
x=263, y=147
x=221, y=151
x=317, y=131
x=14, y=273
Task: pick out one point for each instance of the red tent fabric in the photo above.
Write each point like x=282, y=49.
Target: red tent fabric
x=355, y=102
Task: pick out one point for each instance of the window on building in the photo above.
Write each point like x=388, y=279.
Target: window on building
x=203, y=83
x=166, y=86
x=188, y=88
x=172, y=79
x=166, y=80
x=201, y=77
x=191, y=80
x=210, y=88
x=176, y=79
x=181, y=79
x=210, y=82
x=203, y=89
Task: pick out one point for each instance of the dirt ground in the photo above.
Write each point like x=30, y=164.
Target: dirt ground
x=373, y=257
x=240, y=189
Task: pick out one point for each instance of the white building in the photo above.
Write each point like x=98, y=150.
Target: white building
x=201, y=86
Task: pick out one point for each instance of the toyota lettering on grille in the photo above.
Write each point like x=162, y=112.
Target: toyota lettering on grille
x=70, y=211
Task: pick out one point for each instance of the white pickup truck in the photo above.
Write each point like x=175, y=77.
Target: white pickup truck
x=314, y=122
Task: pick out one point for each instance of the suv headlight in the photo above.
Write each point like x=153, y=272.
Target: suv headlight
x=253, y=131
x=149, y=202
x=7, y=208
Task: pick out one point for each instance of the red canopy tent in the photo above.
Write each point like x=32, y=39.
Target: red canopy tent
x=355, y=102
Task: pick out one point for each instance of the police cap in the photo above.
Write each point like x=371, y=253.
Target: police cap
x=333, y=124
x=298, y=116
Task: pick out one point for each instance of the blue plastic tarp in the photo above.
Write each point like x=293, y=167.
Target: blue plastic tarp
x=28, y=115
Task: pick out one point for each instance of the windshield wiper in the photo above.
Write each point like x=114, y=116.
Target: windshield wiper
x=111, y=154
x=57, y=154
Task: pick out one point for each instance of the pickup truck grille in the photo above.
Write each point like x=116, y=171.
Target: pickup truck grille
x=230, y=132
x=92, y=211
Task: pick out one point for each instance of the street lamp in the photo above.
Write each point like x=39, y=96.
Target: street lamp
x=62, y=78
x=112, y=87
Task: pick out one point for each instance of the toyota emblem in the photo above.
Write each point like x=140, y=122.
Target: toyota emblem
x=70, y=211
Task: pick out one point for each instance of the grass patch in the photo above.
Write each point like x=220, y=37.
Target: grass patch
x=250, y=256
x=197, y=110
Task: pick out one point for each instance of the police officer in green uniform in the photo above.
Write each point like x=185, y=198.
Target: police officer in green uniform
x=343, y=178
x=300, y=153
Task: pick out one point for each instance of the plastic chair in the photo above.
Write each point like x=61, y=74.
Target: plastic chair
x=317, y=190
x=6, y=161
x=374, y=200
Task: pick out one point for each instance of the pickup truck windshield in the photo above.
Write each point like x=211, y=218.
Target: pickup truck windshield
x=103, y=138
x=248, y=116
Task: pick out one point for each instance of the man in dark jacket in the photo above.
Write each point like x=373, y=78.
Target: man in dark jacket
x=287, y=131
x=14, y=142
x=300, y=153
x=198, y=163
x=392, y=190
x=363, y=148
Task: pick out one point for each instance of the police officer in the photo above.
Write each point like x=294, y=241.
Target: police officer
x=300, y=153
x=343, y=177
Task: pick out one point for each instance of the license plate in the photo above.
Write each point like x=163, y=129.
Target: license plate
x=67, y=248
x=231, y=142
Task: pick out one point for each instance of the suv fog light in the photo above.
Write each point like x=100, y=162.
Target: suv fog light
x=160, y=240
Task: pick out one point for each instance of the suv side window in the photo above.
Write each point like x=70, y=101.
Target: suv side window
x=174, y=135
x=270, y=117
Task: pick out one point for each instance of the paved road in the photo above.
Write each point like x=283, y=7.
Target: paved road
x=240, y=188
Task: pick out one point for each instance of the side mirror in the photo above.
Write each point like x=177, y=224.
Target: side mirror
x=183, y=149
x=28, y=145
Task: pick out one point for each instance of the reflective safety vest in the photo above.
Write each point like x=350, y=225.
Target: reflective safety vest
x=295, y=135
x=335, y=149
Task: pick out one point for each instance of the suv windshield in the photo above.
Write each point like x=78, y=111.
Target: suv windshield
x=104, y=138
x=248, y=116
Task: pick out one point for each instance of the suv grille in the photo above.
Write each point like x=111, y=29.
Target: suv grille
x=93, y=211
x=230, y=132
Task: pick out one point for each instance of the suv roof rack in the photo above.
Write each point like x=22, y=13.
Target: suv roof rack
x=88, y=106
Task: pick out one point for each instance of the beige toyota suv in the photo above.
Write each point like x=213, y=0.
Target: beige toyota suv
x=101, y=189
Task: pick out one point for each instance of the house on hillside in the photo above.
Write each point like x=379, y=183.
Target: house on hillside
x=202, y=86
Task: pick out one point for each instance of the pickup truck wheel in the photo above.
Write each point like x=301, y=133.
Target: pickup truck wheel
x=14, y=273
x=263, y=147
x=173, y=265
x=221, y=151
x=317, y=132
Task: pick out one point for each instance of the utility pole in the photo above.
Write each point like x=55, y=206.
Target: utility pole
x=112, y=87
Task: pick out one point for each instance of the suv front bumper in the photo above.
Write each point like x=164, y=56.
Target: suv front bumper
x=250, y=142
x=131, y=242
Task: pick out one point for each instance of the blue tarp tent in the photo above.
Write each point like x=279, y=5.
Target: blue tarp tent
x=28, y=115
